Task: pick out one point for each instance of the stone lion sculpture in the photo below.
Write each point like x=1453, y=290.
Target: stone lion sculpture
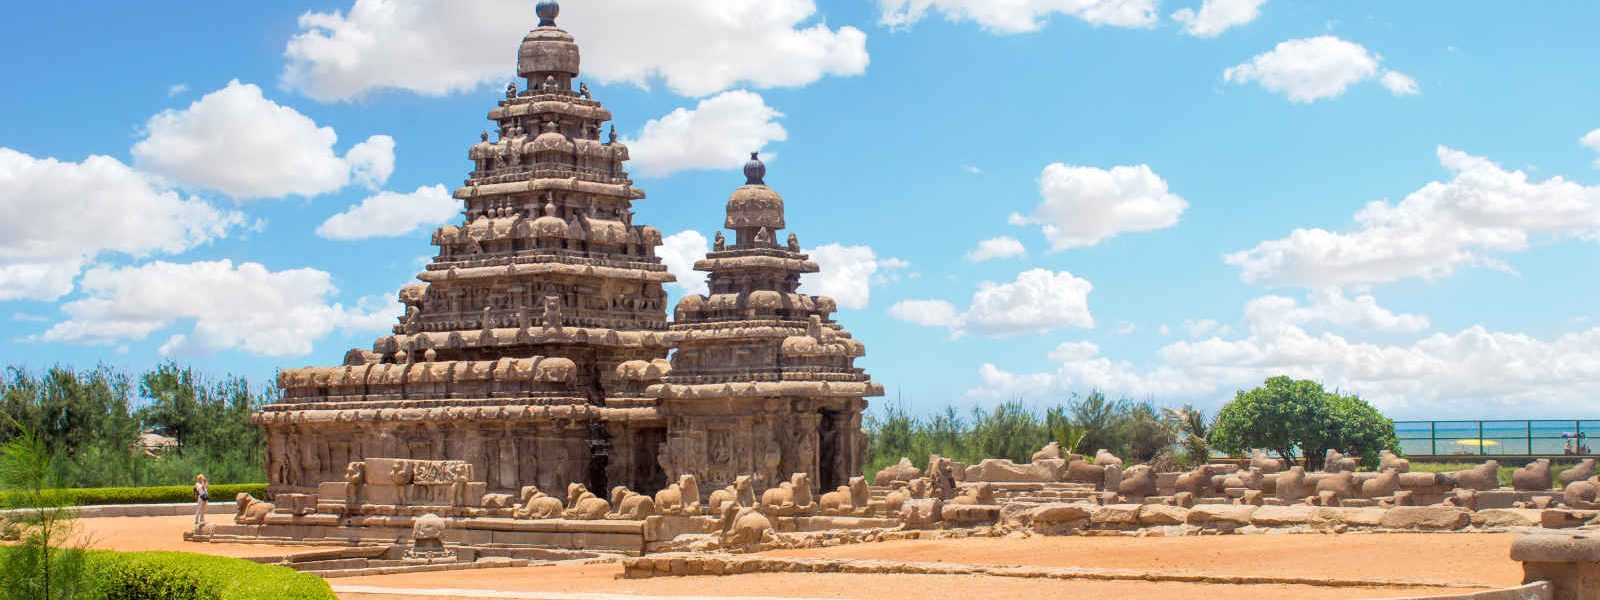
x=1138, y=483
x=745, y=526
x=1583, y=470
x=847, y=499
x=901, y=471
x=1197, y=482
x=583, y=505
x=1581, y=494
x=1483, y=477
x=251, y=511
x=1292, y=485
x=1535, y=477
x=629, y=505
x=1335, y=462
x=1267, y=464
x=1385, y=484
x=1051, y=450
x=979, y=493
x=741, y=493
x=538, y=505
x=792, y=497
x=1388, y=460
x=681, y=498
x=1105, y=458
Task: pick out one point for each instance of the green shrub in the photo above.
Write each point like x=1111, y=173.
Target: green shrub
x=183, y=576
x=152, y=495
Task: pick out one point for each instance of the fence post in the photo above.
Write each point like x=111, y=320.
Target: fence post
x=1482, y=443
x=1530, y=438
x=1433, y=438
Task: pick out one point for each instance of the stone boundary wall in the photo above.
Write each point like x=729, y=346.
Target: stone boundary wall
x=178, y=509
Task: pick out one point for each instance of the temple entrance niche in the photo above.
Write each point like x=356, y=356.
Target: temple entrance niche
x=828, y=451
x=646, y=472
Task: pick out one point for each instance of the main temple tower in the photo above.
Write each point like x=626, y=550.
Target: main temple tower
x=763, y=381
x=526, y=346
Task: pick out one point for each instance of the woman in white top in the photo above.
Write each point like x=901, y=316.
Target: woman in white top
x=201, y=497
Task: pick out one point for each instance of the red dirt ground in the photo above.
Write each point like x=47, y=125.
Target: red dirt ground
x=1482, y=559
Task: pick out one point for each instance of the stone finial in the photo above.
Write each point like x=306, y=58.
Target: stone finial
x=613, y=139
x=511, y=90
x=719, y=243
x=794, y=243
x=583, y=90
x=484, y=136
x=755, y=171
x=547, y=10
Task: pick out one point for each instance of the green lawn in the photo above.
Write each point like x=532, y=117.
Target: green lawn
x=184, y=576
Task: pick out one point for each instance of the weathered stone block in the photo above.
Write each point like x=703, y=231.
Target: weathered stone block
x=1283, y=516
x=1161, y=514
x=1439, y=518
x=1224, y=515
x=1115, y=515
x=1506, y=517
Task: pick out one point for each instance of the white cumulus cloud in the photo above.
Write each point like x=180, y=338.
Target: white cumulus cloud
x=62, y=215
x=237, y=142
x=439, y=47
x=1478, y=370
x=1037, y=301
x=1592, y=140
x=1217, y=16
x=1482, y=212
x=1019, y=16
x=241, y=307
x=928, y=313
x=1082, y=206
x=848, y=273
x=390, y=214
x=679, y=252
x=719, y=133
x=1310, y=69
x=1004, y=246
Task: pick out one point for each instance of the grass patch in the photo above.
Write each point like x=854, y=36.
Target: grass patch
x=149, y=495
x=184, y=576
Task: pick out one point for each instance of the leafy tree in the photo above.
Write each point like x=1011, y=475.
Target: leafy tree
x=41, y=565
x=1195, y=430
x=1147, y=434
x=1101, y=420
x=1291, y=417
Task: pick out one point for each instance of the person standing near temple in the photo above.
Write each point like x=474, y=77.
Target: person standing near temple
x=202, y=495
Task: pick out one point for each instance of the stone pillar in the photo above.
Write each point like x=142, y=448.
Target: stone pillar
x=1569, y=562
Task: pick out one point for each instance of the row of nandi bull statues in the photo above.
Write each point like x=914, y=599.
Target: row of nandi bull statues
x=1054, y=493
x=1261, y=479
x=403, y=487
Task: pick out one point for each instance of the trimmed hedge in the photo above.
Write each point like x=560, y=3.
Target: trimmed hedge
x=152, y=495
x=184, y=576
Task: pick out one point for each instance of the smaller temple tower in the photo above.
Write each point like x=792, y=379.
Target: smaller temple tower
x=763, y=380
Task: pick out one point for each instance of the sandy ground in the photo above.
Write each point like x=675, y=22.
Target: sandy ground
x=1482, y=559
x=166, y=533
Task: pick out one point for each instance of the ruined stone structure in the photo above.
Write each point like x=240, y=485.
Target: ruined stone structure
x=534, y=349
x=763, y=381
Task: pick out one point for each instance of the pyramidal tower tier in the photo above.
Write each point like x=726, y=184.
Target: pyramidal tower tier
x=528, y=343
x=763, y=381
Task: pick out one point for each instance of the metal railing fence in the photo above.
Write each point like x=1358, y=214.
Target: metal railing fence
x=1498, y=437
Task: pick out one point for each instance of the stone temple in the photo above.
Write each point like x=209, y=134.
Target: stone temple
x=535, y=347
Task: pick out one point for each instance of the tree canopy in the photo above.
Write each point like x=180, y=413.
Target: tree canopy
x=1298, y=417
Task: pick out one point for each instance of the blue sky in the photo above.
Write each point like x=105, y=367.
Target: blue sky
x=1190, y=193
